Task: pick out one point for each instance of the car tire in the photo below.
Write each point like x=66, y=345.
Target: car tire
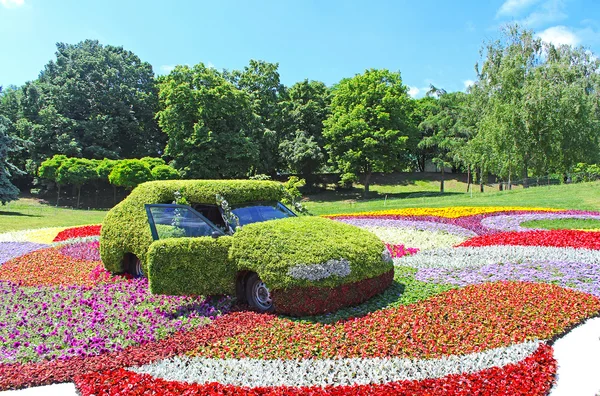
x=135, y=267
x=258, y=295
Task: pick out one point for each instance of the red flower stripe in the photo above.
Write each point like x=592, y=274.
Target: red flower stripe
x=554, y=238
x=48, y=267
x=533, y=375
x=78, y=232
x=16, y=376
x=457, y=322
x=304, y=301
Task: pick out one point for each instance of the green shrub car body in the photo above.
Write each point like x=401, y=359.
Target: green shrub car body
x=296, y=265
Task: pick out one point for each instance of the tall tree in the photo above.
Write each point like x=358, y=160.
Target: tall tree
x=92, y=101
x=8, y=192
x=210, y=124
x=447, y=135
x=260, y=80
x=302, y=148
x=369, y=125
x=538, y=106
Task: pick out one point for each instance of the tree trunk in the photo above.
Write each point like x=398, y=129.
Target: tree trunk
x=442, y=181
x=367, y=181
x=78, y=195
x=468, y=178
x=58, y=195
x=480, y=180
x=525, y=176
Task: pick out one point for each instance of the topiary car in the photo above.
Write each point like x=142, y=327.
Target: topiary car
x=234, y=237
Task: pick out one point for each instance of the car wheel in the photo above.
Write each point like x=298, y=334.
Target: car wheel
x=258, y=295
x=135, y=267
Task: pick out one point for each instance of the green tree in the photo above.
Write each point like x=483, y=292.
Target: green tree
x=77, y=172
x=130, y=173
x=538, y=106
x=153, y=162
x=48, y=170
x=302, y=148
x=164, y=172
x=447, y=135
x=210, y=124
x=8, y=192
x=423, y=108
x=369, y=125
x=260, y=80
x=92, y=101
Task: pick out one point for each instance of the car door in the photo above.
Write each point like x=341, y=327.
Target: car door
x=189, y=255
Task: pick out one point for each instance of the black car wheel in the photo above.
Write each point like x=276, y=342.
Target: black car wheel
x=258, y=295
x=134, y=267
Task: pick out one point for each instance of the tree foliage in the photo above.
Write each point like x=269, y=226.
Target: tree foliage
x=164, y=172
x=77, y=172
x=302, y=146
x=92, y=101
x=130, y=173
x=210, y=124
x=8, y=192
x=538, y=106
x=369, y=125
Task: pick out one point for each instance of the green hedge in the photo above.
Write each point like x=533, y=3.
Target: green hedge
x=271, y=248
x=183, y=266
x=125, y=228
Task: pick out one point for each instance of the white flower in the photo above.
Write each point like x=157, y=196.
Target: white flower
x=314, y=272
x=323, y=372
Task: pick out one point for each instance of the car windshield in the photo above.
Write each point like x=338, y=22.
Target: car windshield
x=261, y=211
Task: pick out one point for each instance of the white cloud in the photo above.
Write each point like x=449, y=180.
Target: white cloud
x=514, y=7
x=559, y=35
x=468, y=83
x=413, y=91
x=551, y=11
x=12, y=3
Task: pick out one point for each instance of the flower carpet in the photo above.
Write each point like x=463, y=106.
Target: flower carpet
x=476, y=305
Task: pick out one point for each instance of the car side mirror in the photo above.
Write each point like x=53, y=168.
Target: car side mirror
x=215, y=234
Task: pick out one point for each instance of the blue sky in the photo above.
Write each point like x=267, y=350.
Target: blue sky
x=427, y=41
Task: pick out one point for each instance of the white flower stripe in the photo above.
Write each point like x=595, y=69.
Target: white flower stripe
x=513, y=222
x=420, y=225
x=462, y=257
x=420, y=239
x=314, y=272
x=323, y=372
x=77, y=240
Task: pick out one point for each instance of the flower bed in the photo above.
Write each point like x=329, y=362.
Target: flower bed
x=474, y=304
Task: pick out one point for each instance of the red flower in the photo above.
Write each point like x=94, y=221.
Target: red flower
x=554, y=238
x=78, y=232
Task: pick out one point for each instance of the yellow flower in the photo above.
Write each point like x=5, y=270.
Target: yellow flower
x=40, y=235
x=450, y=212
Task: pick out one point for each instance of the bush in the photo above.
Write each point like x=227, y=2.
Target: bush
x=176, y=268
x=152, y=162
x=288, y=253
x=126, y=230
x=130, y=173
x=164, y=172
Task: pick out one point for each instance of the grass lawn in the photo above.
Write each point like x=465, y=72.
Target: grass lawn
x=584, y=196
x=562, y=224
x=30, y=213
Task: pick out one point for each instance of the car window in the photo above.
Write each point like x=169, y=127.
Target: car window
x=176, y=221
x=258, y=212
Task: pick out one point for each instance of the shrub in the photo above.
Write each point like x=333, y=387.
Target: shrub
x=130, y=173
x=152, y=162
x=297, y=252
x=126, y=230
x=176, y=267
x=77, y=171
x=164, y=172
